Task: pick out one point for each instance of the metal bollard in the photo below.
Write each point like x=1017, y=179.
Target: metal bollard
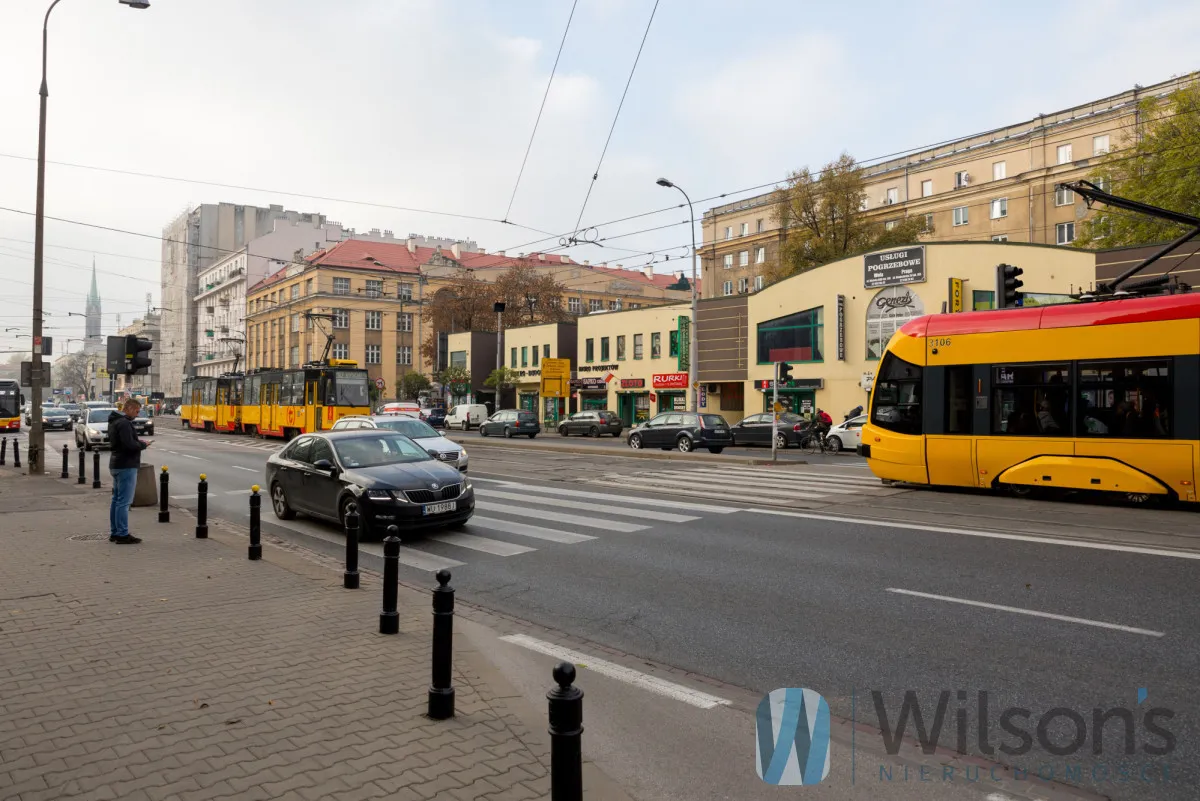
x=66, y=473
x=3, y=449
x=255, y=552
x=16, y=452
x=441, y=693
x=82, y=468
x=389, y=618
x=95, y=469
x=202, y=508
x=350, y=577
x=566, y=735
x=164, y=484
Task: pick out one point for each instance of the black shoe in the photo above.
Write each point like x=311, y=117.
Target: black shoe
x=128, y=539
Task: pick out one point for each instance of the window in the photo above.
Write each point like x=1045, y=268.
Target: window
x=961, y=179
x=341, y=286
x=635, y=305
x=744, y=258
x=374, y=288
x=341, y=318
x=960, y=216
x=403, y=321
x=655, y=345
x=928, y=222
x=574, y=305
x=294, y=356
x=374, y=321
x=1064, y=154
x=513, y=361
x=758, y=282
x=1063, y=196
x=307, y=353
x=295, y=320
x=729, y=232
x=308, y=287
x=535, y=356
x=637, y=346
x=340, y=350
x=1103, y=183
x=890, y=224
x=999, y=208
x=959, y=406
x=760, y=255
x=728, y=288
x=728, y=261
x=795, y=338
x=673, y=343
x=983, y=299
x=604, y=349
x=1064, y=233
x=1000, y=237
x=589, y=350
x=927, y=188
x=524, y=355
x=745, y=229
x=621, y=348
x=405, y=291
x=295, y=291
x=864, y=203
x=743, y=285
x=1125, y=399
x=893, y=195
x=896, y=402
x=1099, y=145
x=1031, y=400
x=614, y=305
x=372, y=354
x=545, y=351
x=999, y=170
x=758, y=225
x=595, y=305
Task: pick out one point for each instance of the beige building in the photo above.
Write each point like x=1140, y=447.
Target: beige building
x=997, y=186
x=524, y=349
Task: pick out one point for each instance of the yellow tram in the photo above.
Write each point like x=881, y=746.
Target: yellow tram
x=212, y=403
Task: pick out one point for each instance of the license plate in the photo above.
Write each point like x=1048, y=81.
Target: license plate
x=440, y=508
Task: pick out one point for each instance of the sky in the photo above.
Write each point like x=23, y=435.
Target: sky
x=361, y=109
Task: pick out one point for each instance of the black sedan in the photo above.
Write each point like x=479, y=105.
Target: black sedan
x=143, y=424
x=384, y=476
x=756, y=430
x=56, y=417
x=511, y=423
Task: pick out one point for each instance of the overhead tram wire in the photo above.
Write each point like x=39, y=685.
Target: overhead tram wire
x=537, y=121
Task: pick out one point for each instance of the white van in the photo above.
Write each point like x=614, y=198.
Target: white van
x=466, y=416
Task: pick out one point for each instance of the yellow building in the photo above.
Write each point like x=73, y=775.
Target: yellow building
x=524, y=350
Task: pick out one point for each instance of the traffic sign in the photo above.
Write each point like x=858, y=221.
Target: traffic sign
x=556, y=378
x=778, y=407
x=379, y=383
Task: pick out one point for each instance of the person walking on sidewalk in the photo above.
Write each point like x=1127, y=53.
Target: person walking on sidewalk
x=123, y=466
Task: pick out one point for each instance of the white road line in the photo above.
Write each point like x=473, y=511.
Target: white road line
x=608, y=496
x=408, y=556
x=783, y=471
x=792, y=477
x=997, y=535
x=247, y=469
x=524, y=530
x=801, y=484
x=189, y=456
x=1017, y=610
x=711, y=488
x=645, y=681
x=485, y=544
x=645, y=514
x=541, y=514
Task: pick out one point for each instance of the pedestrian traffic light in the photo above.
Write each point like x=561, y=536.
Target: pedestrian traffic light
x=135, y=362
x=1008, y=286
x=785, y=372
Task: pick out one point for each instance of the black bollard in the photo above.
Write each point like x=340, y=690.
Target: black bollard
x=164, y=484
x=3, y=449
x=566, y=734
x=389, y=618
x=255, y=552
x=82, y=468
x=202, y=508
x=66, y=473
x=350, y=577
x=95, y=469
x=441, y=693
x=16, y=452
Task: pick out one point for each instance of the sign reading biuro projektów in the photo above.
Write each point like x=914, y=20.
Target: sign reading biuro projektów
x=894, y=267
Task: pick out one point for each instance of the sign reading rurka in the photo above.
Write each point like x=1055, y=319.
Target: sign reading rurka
x=894, y=267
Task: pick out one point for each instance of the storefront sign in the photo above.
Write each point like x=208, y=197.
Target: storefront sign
x=556, y=377
x=894, y=267
x=766, y=385
x=587, y=384
x=956, y=295
x=841, y=328
x=685, y=343
x=597, y=368
x=653, y=398
x=703, y=396
x=890, y=309
x=633, y=383
x=670, y=380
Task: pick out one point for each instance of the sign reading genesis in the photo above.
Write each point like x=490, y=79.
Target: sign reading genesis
x=894, y=267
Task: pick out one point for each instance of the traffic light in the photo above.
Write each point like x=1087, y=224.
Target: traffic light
x=114, y=360
x=135, y=362
x=785, y=372
x=1008, y=286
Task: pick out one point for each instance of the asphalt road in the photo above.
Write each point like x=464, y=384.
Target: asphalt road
x=815, y=576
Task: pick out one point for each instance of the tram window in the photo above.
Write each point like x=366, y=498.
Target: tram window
x=959, y=413
x=896, y=404
x=1127, y=399
x=1031, y=400
x=252, y=385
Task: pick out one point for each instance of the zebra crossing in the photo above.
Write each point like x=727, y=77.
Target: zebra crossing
x=750, y=485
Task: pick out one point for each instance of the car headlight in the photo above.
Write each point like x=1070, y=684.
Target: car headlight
x=380, y=495
x=463, y=453
x=94, y=432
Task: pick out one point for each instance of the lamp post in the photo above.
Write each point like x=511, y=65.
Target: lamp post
x=37, y=435
x=693, y=339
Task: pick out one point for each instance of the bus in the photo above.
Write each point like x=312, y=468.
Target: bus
x=284, y=403
x=212, y=403
x=10, y=405
x=1096, y=396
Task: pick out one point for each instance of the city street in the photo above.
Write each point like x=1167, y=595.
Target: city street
x=731, y=580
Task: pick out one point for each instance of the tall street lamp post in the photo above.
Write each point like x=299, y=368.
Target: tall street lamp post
x=693, y=340
x=37, y=436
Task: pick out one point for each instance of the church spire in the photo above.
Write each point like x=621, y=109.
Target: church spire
x=92, y=310
x=94, y=295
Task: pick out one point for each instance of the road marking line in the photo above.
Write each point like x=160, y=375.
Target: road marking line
x=801, y=484
x=247, y=469
x=710, y=488
x=1099, y=546
x=1017, y=610
x=541, y=514
x=408, y=556
x=189, y=456
x=524, y=530
x=645, y=514
x=485, y=544
x=792, y=476
x=654, y=684
x=783, y=471
x=608, y=496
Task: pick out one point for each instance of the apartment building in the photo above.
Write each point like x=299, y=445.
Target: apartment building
x=995, y=186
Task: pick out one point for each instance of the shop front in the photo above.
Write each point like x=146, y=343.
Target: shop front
x=590, y=394
x=633, y=401
x=798, y=396
x=670, y=390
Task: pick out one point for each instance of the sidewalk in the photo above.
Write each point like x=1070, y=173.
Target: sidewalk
x=178, y=669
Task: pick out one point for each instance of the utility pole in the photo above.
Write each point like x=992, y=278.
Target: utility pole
x=775, y=415
x=693, y=340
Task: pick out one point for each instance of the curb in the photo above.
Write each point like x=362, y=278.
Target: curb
x=479, y=442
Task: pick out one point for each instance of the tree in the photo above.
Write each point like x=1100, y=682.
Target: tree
x=1161, y=168
x=412, y=384
x=501, y=378
x=72, y=371
x=455, y=380
x=824, y=219
x=531, y=297
x=467, y=306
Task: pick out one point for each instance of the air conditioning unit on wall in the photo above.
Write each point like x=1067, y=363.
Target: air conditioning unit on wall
x=714, y=389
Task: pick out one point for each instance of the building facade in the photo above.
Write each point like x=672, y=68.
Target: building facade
x=475, y=352
x=525, y=349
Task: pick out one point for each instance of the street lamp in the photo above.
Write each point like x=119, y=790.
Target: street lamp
x=694, y=341
x=37, y=436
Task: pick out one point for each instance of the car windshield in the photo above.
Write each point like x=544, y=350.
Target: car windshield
x=54, y=410
x=99, y=415
x=409, y=427
x=380, y=449
x=351, y=388
x=144, y=413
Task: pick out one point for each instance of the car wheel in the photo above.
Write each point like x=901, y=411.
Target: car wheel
x=715, y=450
x=635, y=441
x=279, y=503
x=508, y=433
x=594, y=432
x=562, y=431
x=684, y=444
x=531, y=436
x=833, y=444
x=781, y=441
x=483, y=431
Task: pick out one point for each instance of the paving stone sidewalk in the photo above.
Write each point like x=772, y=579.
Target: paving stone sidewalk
x=178, y=669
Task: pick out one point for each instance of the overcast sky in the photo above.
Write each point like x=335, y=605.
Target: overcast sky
x=429, y=105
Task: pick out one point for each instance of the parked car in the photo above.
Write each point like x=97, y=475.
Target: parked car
x=418, y=431
x=92, y=431
x=846, y=435
x=466, y=416
x=511, y=423
x=56, y=417
x=46, y=407
x=685, y=431
x=401, y=407
x=593, y=424
x=756, y=430
x=436, y=417
x=72, y=409
x=144, y=422
x=382, y=475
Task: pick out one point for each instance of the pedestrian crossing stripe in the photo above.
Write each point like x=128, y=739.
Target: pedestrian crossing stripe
x=538, y=489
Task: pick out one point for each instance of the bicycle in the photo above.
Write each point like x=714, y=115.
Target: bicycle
x=816, y=442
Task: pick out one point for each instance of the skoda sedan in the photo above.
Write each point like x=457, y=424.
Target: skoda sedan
x=384, y=476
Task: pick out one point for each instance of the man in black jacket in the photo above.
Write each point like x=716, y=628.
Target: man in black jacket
x=123, y=467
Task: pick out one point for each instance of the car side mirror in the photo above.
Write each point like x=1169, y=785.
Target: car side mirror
x=432, y=453
x=326, y=465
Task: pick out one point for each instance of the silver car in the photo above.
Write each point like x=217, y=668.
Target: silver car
x=92, y=430
x=420, y=432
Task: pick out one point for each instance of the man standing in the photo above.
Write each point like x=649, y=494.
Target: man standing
x=123, y=467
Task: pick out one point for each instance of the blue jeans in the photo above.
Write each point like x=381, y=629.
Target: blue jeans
x=124, y=481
